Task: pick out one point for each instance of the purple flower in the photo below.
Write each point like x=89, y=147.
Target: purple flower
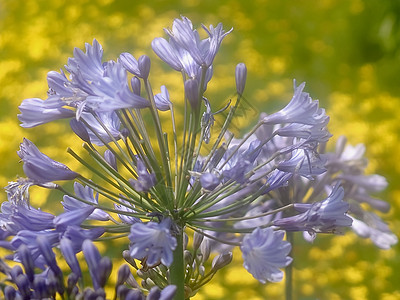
x=202, y=51
x=327, y=216
x=77, y=235
x=312, y=133
x=192, y=93
x=264, y=252
x=130, y=63
x=31, y=219
x=145, y=180
x=162, y=99
x=73, y=217
x=240, y=77
x=128, y=208
x=29, y=238
x=303, y=162
x=301, y=109
x=35, y=111
x=41, y=168
x=85, y=193
x=97, y=134
x=153, y=241
x=67, y=250
x=92, y=257
x=374, y=228
x=209, y=181
x=186, y=52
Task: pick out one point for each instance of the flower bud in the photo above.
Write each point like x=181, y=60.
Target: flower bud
x=80, y=130
x=122, y=291
x=135, y=83
x=105, y=268
x=130, y=63
x=27, y=261
x=197, y=239
x=129, y=259
x=134, y=295
x=72, y=280
x=240, y=76
x=188, y=256
x=110, y=158
x=144, y=66
x=9, y=292
x=22, y=283
x=15, y=271
x=48, y=254
x=192, y=93
x=154, y=294
x=221, y=260
x=69, y=256
x=123, y=274
x=40, y=288
x=205, y=250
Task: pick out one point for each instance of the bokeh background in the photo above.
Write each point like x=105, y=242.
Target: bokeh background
x=348, y=52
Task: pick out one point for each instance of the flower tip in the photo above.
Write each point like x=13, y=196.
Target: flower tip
x=144, y=66
x=240, y=76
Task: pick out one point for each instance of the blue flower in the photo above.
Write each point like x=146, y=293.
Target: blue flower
x=374, y=228
x=301, y=109
x=35, y=111
x=129, y=209
x=303, y=162
x=327, y=216
x=162, y=99
x=41, y=168
x=85, y=193
x=145, y=180
x=202, y=51
x=97, y=134
x=264, y=252
x=153, y=242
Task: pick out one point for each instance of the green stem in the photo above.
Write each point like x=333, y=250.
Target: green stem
x=177, y=269
x=289, y=270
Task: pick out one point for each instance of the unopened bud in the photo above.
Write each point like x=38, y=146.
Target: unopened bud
x=110, y=158
x=129, y=259
x=134, y=295
x=27, y=261
x=80, y=130
x=192, y=93
x=144, y=66
x=154, y=294
x=105, y=268
x=135, y=83
x=9, y=292
x=188, y=256
x=197, y=239
x=221, y=260
x=123, y=274
x=205, y=249
x=240, y=76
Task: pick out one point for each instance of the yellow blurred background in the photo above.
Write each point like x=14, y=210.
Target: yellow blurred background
x=348, y=52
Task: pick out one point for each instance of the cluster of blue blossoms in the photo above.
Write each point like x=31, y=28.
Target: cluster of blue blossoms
x=157, y=186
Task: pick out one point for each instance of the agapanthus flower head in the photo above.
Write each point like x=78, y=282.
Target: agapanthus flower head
x=163, y=176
